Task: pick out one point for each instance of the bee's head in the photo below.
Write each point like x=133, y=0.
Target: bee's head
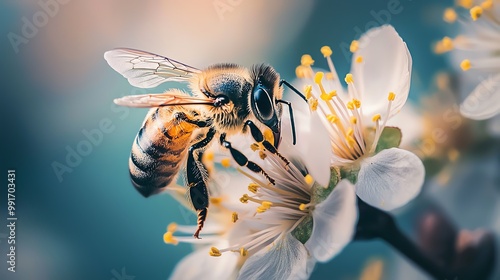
x=263, y=99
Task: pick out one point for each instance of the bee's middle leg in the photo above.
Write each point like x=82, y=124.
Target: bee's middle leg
x=259, y=137
x=242, y=160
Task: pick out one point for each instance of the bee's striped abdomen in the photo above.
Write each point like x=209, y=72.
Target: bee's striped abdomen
x=158, y=151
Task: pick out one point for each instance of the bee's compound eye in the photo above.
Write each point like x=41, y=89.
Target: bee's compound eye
x=263, y=103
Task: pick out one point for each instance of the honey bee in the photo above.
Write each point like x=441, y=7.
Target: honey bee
x=225, y=99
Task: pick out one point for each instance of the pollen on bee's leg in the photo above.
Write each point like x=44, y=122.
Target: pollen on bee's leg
x=214, y=252
x=169, y=238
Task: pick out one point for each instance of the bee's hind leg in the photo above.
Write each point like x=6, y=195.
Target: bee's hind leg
x=259, y=137
x=242, y=160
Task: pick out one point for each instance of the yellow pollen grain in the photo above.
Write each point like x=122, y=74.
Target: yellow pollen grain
x=302, y=207
x=376, y=118
x=488, y=4
x=225, y=162
x=465, y=3
x=313, y=104
x=348, y=78
x=465, y=64
x=169, y=238
x=306, y=60
x=252, y=187
x=300, y=71
x=326, y=51
x=354, y=46
x=391, y=96
x=172, y=227
x=243, y=252
x=215, y=200
x=308, y=91
x=329, y=76
x=214, y=252
x=332, y=118
x=354, y=120
x=244, y=198
x=476, y=12
x=234, y=217
x=309, y=179
x=318, y=77
x=449, y=15
x=359, y=59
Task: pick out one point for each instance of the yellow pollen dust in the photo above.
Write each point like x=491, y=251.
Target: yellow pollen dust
x=302, y=207
x=348, y=78
x=306, y=60
x=465, y=64
x=332, y=118
x=268, y=135
x=326, y=51
x=449, y=15
x=476, y=12
x=309, y=179
x=313, y=104
x=391, y=96
x=465, y=3
x=252, y=187
x=488, y=4
x=308, y=91
x=214, y=252
x=329, y=76
x=169, y=238
x=244, y=198
x=209, y=155
x=225, y=162
x=376, y=118
x=300, y=71
x=234, y=217
x=359, y=59
x=354, y=46
x=354, y=120
x=172, y=227
x=318, y=77
x=243, y=252
x=215, y=200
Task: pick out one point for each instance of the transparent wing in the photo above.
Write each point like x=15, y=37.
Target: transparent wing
x=174, y=98
x=147, y=70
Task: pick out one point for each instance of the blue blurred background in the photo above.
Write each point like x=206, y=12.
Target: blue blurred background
x=89, y=222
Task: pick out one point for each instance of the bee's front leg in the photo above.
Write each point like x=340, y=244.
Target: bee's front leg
x=242, y=160
x=259, y=137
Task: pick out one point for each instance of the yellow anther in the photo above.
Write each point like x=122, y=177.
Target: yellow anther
x=449, y=15
x=302, y=207
x=447, y=43
x=356, y=102
x=354, y=46
x=234, y=217
x=306, y=60
x=359, y=59
x=243, y=252
x=350, y=141
x=313, y=103
x=318, y=77
x=332, y=94
x=391, y=96
x=169, y=238
x=488, y=4
x=225, y=162
x=332, y=118
x=300, y=71
x=348, y=78
x=350, y=131
x=308, y=91
x=329, y=76
x=252, y=187
x=326, y=51
x=476, y=12
x=309, y=179
x=244, y=198
x=262, y=209
x=268, y=135
x=267, y=204
x=465, y=64
x=354, y=120
x=376, y=118
x=465, y=3
x=215, y=200
x=214, y=252
x=209, y=156
x=350, y=105
x=172, y=227
x=255, y=147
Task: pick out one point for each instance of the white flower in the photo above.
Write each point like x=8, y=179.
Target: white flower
x=295, y=222
x=377, y=89
x=477, y=52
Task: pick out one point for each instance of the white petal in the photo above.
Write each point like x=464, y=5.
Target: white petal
x=334, y=221
x=286, y=259
x=313, y=146
x=386, y=67
x=200, y=265
x=484, y=101
x=390, y=179
x=494, y=126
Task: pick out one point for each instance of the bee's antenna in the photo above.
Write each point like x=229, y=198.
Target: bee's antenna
x=292, y=121
x=283, y=82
